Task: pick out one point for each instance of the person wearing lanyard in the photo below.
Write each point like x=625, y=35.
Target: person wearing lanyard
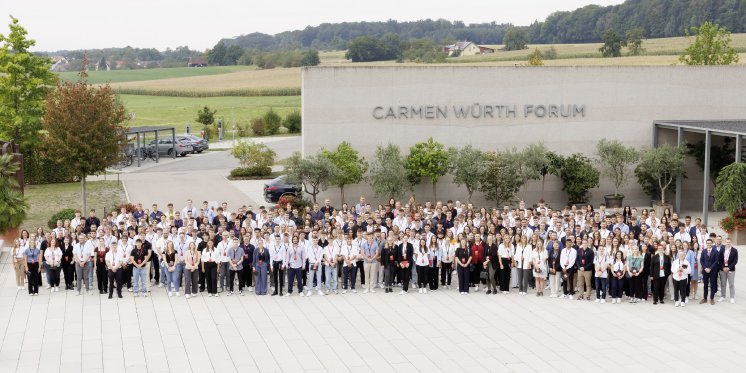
x=692, y=256
x=330, y=260
x=223, y=270
x=277, y=255
x=710, y=262
x=114, y=263
x=171, y=274
x=261, y=265
x=539, y=263
x=139, y=258
x=191, y=271
x=635, y=266
x=68, y=262
x=404, y=259
x=19, y=263
x=584, y=263
x=728, y=260
x=568, y=258
x=315, y=256
x=351, y=252
x=555, y=269
x=100, y=255
x=447, y=252
x=246, y=277
x=463, y=261
x=433, y=253
x=523, y=253
x=601, y=265
x=492, y=263
x=296, y=261
x=618, y=271
x=209, y=267
x=32, y=262
x=505, y=251
x=422, y=261
x=680, y=269
x=53, y=256
x=370, y=266
x=82, y=262
x=388, y=262
x=477, y=257
x=235, y=266
x=659, y=271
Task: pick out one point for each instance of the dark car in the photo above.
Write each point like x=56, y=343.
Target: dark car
x=278, y=187
x=198, y=144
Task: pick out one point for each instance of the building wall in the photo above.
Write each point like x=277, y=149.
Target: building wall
x=340, y=104
x=471, y=50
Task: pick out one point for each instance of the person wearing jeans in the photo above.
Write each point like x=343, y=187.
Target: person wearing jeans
x=171, y=274
x=315, y=255
x=728, y=260
x=330, y=258
x=601, y=266
x=139, y=258
x=371, y=256
x=618, y=271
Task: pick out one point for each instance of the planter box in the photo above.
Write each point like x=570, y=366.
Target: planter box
x=737, y=237
x=613, y=201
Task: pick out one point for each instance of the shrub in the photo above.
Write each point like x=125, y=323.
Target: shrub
x=550, y=54
x=64, y=214
x=272, y=121
x=294, y=201
x=293, y=122
x=259, y=127
x=256, y=171
x=243, y=131
x=253, y=154
x=578, y=176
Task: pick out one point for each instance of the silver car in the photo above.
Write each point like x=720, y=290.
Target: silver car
x=166, y=147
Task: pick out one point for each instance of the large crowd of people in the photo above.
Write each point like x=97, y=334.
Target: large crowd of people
x=574, y=252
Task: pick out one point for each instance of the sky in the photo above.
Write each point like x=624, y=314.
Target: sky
x=199, y=24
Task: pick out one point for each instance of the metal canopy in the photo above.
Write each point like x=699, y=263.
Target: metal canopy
x=726, y=128
x=137, y=131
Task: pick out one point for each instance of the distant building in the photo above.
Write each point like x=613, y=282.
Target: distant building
x=60, y=64
x=197, y=62
x=466, y=48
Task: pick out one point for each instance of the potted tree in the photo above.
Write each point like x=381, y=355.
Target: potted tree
x=663, y=164
x=578, y=177
x=730, y=193
x=615, y=160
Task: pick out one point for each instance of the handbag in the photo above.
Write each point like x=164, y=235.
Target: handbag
x=483, y=275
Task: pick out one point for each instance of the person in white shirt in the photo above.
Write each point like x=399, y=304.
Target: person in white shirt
x=53, y=255
x=315, y=254
x=277, y=252
x=506, y=252
x=601, y=263
x=539, y=264
x=421, y=260
x=523, y=262
x=331, y=260
x=447, y=252
x=82, y=254
x=210, y=259
x=350, y=254
x=567, y=263
x=115, y=266
x=223, y=246
x=680, y=270
x=19, y=263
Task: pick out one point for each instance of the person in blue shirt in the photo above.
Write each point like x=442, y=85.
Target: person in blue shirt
x=32, y=262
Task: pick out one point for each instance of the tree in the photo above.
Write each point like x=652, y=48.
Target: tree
x=427, y=159
x=730, y=191
x=616, y=158
x=350, y=166
x=578, y=176
x=467, y=167
x=206, y=116
x=720, y=156
x=711, y=46
x=232, y=54
x=552, y=166
x=365, y=48
x=500, y=181
x=633, y=41
x=272, y=121
x=293, y=122
x=310, y=58
x=84, y=128
x=25, y=81
x=515, y=39
x=253, y=154
x=388, y=175
x=663, y=164
x=315, y=173
x=532, y=161
x=612, y=44
x=13, y=204
x=535, y=58
x=216, y=55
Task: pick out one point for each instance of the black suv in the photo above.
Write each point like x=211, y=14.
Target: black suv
x=278, y=187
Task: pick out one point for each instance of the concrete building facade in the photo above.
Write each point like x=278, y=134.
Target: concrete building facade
x=567, y=108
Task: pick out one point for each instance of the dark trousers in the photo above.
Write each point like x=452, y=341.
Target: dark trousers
x=246, y=277
x=422, y=272
x=600, y=288
x=568, y=286
x=504, y=280
x=115, y=280
x=350, y=273
x=231, y=279
x=101, y=277
x=361, y=270
x=201, y=280
x=69, y=270
x=710, y=282
x=295, y=274
x=659, y=287
x=679, y=289
x=388, y=275
x=617, y=285
x=127, y=276
x=33, y=278
x=211, y=277
x=404, y=274
x=54, y=276
x=463, y=279
x=432, y=277
x=277, y=274
x=446, y=271
x=635, y=286
x=156, y=272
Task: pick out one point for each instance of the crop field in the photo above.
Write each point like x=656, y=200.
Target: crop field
x=120, y=76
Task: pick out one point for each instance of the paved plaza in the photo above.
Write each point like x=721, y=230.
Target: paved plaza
x=440, y=331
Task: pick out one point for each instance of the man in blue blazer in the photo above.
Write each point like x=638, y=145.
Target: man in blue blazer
x=710, y=268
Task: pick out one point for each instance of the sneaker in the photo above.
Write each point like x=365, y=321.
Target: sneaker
x=603, y=301
x=77, y=293
x=320, y=293
x=240, y=293
x=344, y=291
x=135, y=295
x=372, y=291
x=217, y=295
x=598, y=300
x=477, y=289
x=683, y=304
x=160, y=285
x=250, y=289
x=401, y=292
x=552, y=295
x=365, y=291
x=721, y=299
x=187, y=296
x=129, y=289
x=354, y=291
x=308, y=293
x=169, y=293
x=300, y=293
x=229, y=294
x=678, y=304
x=287, y=294
x=424, y=291
x=733, y=300
x=210, y=295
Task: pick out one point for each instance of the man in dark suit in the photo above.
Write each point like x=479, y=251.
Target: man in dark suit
x=660, y=269
x=405, y=261
x=710, y=261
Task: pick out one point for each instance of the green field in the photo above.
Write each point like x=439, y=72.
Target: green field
x=122, y=76
x=177, y=111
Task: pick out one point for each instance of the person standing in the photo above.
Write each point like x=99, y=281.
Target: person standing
x=584, y=264
x=68, y=262
x=539, y=265
x=506, y=251
x=523, y=264
x=492, y=262
x=422, y=261
x=33, y=256
x=210, y=259
x=315, y=257
x=463, y=261
x=680, y=269
x=660, y=269
x=728, y=260
x=19, y=263
x=447, y=252
x=247, y=273
x=277, y=253
x=330, y=260
x=82, y=255
x=235, y=266
x=223, y=271
x=710, y=260
x=371, y=256
x=139, y=258
x=114, y=263
x=601, y=265
x=388, y=262
x=404, y=259
x=635, y=268
x=261, y=265
x=101, y=271
x=170, y=265
x=477, y=260
x=350, y=253
x=618, y=273
x=191, y=271
x=53, y=256
x=555, y=269
x=568, y=258
x=296, y=261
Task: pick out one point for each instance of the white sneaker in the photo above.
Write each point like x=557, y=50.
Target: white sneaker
x=240, y=293
x=372, y=291
x=130, y=290
x=598, y=300
x=160, y=285
x=683, y=304
x=250, y=289
x=308, y=293
x=424, y=291
x=477, y=289
x=733, y=300
x=77, y=293
x=320, y=293
x=354, y=291
x=553, y=296
x=365, y=291
x=344, y=291
x=135, y=295
x=678, y=304
x=169, y=293
x=47, y=286
x=217, y=295
x=300, y=293
x=401, y=292
x=286, y=295
x=603, y=301
x=229, y=293
x=186, y=296
x=211, y=295
x=721, y=299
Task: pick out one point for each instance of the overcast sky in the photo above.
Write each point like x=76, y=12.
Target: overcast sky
x=81, y=24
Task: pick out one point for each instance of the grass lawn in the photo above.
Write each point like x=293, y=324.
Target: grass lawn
x=239, y=78
x=45, y=200
x=119, y=76
x=177, y=111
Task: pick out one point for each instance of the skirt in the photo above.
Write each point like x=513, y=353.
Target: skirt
x=542, y=272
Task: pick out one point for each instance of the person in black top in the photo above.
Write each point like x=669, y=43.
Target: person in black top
x=463, y=261
x=68, y=263
x=92, y=220
x=201, y=247
x=404, y=261
x=659, y=271
x=388, y=262
x=493, y=264
x=555, y=269
x=246, y=276
x=101, y=270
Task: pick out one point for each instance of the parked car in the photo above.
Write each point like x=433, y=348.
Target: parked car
x=279, y=187
x=166, y=147
x=198, y=144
